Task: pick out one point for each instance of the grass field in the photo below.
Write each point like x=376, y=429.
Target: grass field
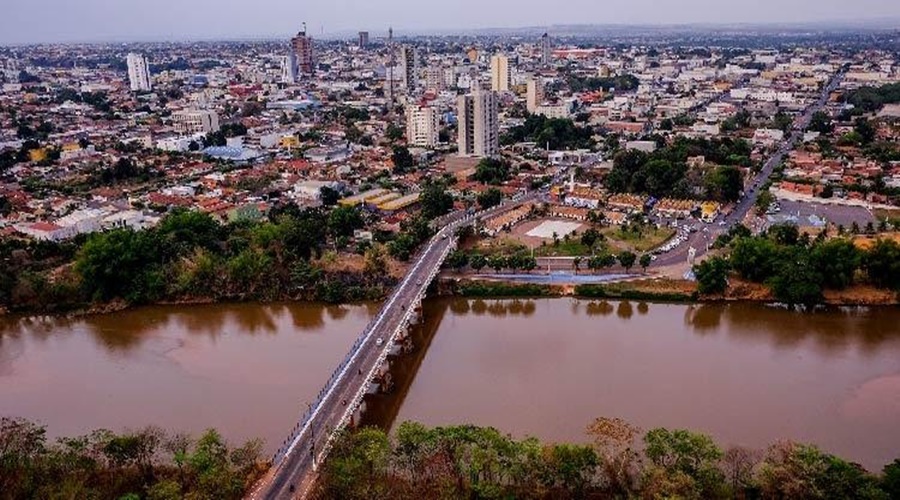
x=648, y=239
x=572, y=248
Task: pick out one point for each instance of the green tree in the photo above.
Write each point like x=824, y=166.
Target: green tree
x=837, y=261
x=329, y=196
x=478, y=262
x=394, y=133
x=712, y=276
x=821, y=122
x=890, y=479
x=490, y=198
x=120, y=263
x=343, y=221
x=882, y=264
x=645, y=261
x=492, y=171
x=435, y=200
x=796, y=280
x=784, y=234
x=725, y=184
x=865, y=130
x=457, y=260
x=403, y=159
x=627, y=259
x=688, y=461
x=590, y=236
x=755, y=259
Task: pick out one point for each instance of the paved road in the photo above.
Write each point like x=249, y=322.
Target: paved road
x=295, y=475
x=700, y=239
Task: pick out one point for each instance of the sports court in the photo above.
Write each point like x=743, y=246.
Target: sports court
x=546, y=229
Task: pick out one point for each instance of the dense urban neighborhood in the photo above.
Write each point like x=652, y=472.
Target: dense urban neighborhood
x=691, y=167
x=301, y=164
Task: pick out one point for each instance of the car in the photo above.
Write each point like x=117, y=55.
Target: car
x=419, y=282
x=379, y=342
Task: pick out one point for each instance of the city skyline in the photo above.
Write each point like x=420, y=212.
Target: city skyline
x=59, y=21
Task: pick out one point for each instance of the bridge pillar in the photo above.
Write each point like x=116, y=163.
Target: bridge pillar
x=356, y=416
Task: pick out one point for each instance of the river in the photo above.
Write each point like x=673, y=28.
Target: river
x=745, y=373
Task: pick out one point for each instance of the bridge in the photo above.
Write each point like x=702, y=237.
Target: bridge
x=365, y=368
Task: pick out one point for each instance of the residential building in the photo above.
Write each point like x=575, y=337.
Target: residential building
x=192, y=121
x=479, y=130
x=546, y=50
x=422, y=126
x=363, y=39
x=500, y=73
x=434, y=78
x=289, y=68
x=139, y=73
x=409, y=58
x=302, y=46
x=534, y=94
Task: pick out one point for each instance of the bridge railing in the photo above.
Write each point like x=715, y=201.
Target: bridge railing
x=357, y=398
x=309, y=414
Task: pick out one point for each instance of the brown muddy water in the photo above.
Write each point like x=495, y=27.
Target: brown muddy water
x=745, y=373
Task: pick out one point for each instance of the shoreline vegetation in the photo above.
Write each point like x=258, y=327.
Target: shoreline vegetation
x=149, y=463
x=621, y=461
x=310, y=255
x=650, y=289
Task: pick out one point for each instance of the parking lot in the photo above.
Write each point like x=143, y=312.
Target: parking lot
x=835, y=214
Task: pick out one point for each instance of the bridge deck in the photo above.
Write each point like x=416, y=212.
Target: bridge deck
x=295, y=464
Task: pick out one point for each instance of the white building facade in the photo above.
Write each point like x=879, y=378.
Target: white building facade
x=139, y=73
x=479, y=129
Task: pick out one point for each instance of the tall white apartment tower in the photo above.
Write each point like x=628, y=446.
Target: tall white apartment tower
x=139, y=73
x=422, y=126
x=500, y=73
x=534, y=94
x=289, y=70
x=479, y=128
x=409, y=58
x=546, y=50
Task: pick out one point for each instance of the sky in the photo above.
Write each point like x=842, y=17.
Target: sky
x=39, y=21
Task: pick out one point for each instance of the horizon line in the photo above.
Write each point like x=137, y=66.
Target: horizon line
x=866, y=24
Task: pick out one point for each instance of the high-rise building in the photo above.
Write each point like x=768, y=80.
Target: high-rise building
x=391, y=62
x=422, y=126
x=434, y=78
x=409, y=58
x=500, y=73
x=289, y=68
x=534, y=94
x=546, y=50
x=479, y=129
x=139, y=73
x=302, y=46
x=363, y=39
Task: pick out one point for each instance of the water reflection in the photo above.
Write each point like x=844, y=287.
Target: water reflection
x=497, y=308
x=602, y=308
x=830, y=331
x=243, y=368
x=747, y=374
x=625, y=311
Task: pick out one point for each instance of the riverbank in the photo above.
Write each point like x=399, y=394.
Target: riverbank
x=636, y=287
x=654, y=288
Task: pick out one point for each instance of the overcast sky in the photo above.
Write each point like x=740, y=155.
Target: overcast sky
x=30, y=21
